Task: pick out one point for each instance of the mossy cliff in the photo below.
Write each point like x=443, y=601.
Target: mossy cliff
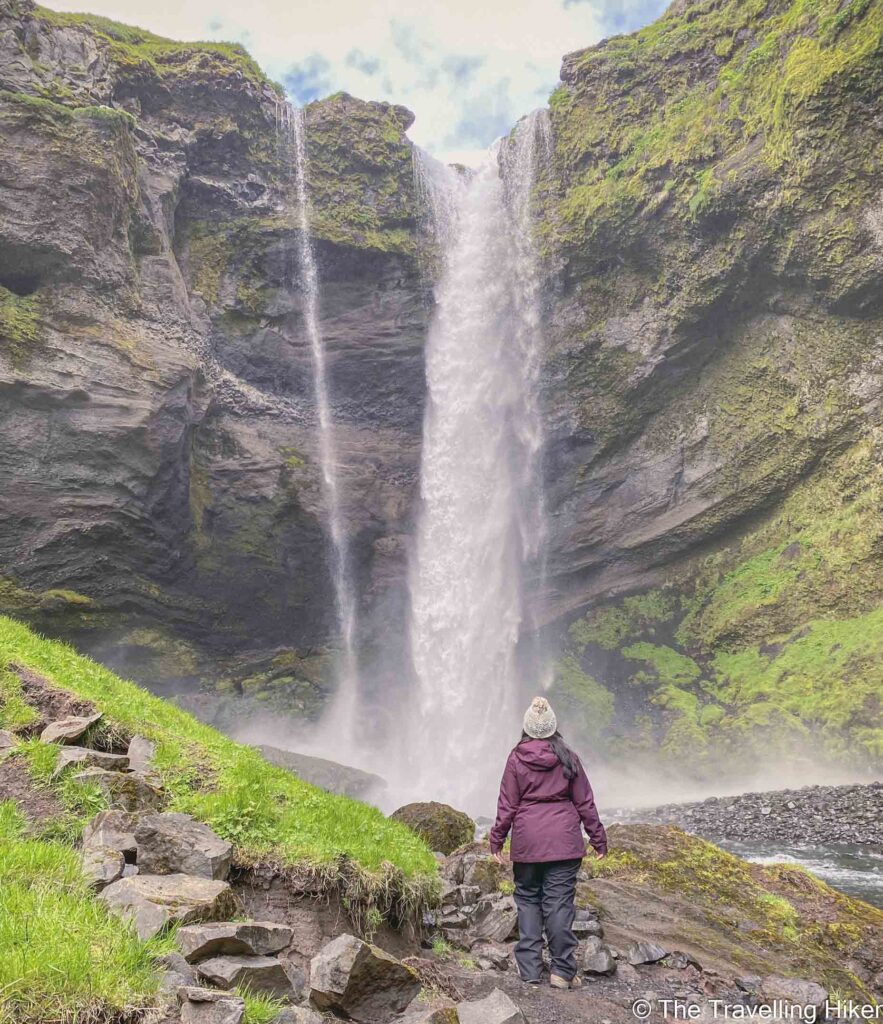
x=156, y=382
x=713, y=215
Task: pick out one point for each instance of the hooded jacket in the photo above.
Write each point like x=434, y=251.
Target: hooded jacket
x=543, y=809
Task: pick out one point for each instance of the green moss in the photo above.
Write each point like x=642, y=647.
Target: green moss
x=610, y=627
x=20, y=326
x=582, y=700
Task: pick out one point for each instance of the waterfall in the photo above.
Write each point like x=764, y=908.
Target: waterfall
x=292, y=129
x=481, y=521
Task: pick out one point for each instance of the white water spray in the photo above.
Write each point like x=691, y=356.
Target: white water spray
x=481, y=522
x=338, y=722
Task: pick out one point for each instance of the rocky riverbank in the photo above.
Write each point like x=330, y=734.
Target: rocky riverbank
x=812, y=814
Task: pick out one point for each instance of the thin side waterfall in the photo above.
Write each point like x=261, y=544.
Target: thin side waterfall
x=481, y=520
x=292, y=128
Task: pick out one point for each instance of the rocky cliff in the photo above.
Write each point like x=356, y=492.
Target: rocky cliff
x=157, y=408
x=711, y=224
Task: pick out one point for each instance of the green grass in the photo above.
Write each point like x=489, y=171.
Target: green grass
x=260, y=1008
x=268, y=813
x=63, y=957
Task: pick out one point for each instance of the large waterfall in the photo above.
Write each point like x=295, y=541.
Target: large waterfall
x=292, y=129
x=481, y=525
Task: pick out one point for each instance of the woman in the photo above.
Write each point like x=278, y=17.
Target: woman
x=544, y=796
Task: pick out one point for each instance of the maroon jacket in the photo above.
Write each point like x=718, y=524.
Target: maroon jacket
x=543, y=809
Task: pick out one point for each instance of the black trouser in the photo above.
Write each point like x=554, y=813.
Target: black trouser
x=544, y=895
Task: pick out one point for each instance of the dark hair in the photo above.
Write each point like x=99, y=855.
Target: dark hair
x=564, y=754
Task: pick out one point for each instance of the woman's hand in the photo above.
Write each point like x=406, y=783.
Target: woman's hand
x=501, y=858
x=591, y=850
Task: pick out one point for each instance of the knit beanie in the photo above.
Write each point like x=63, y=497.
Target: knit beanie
x=539, y=719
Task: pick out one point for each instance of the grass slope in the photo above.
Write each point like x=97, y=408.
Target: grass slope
x=268, y=813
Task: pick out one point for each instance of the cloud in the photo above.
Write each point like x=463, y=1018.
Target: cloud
x=467, y=70
x=310, y=79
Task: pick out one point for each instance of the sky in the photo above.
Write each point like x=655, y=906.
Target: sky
x=467, y=68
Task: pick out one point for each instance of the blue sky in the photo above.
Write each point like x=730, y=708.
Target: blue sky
x=467, y=69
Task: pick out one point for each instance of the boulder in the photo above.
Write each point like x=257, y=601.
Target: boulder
x=88, y=758
x=263, y=974
x=176, y=973
x=493, y=920
x=152, y=902
x=792, y=990
x=101, y=866
x=496, y=1008
x=361, y=981
x=645, y=953
x=474, y=867
x=441, y=827
x=114, y=830
x=140, y=754
x=328, y=775
x=175, y=843
x=598, y=958
x=205, y=1006
x=68, y=730
x=234, y=938
x=123, y=792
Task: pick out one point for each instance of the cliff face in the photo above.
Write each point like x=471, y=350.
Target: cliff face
x=712, y=229
x=715, y=211
x=157, y=406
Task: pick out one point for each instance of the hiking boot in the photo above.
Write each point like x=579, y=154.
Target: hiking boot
x=558, y=982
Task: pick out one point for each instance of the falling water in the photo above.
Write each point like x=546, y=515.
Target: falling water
x=292, y=129
x=481, y=521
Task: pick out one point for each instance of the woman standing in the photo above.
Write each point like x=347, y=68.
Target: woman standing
x=544, y=798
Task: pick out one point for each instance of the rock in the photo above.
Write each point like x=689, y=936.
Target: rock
x=442, y=827
x=589, y=927
x=496, y=1008
x=645, y=953
x=681, y=961
x=235, y=938
x=476, y=868
x=140, y=754
x=176, y=844
x=627, y=974
x=205, y=1006
x=493, y=920
x=101, y=866
x=598, y=958
x=495, y=953
x=327, y=775
x=176, y=973
x=89, y=758
x=258, y=973
x=445, y=1014
x=7, y=739
x=153, y=902
x=355, y=978
x=124, y=792
x=68, y=730
x=792, y=990
x=299, y=1015
x=114, y=830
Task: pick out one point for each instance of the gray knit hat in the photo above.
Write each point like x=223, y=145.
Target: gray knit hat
x=539, y=719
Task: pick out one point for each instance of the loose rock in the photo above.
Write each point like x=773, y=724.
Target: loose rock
x=152, y=902
x=792, y=990
x=355, y=978
x=127, y=792
x=497, y=1008
x=114, y=830
x=176, y=973
x=7, y=740
x=645, y=953
x=299, y=1015
x=102, y=866
x=203, y=1006
x=442, y=827
x=175, y=843
x=598, y=958
x=235, y=938
x=68, y=730
x=88, y=758
x=140, y=754
x=494, y=920
x=257, y=973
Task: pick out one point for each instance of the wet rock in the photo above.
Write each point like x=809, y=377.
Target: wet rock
x=175, y=843
x=124, y=792
x=235, y=938
x=598, y=958
x=88, y=758
x=645, y=953
x=496, y=1008
x=114, y=830
x=140, y=754
x=176, y=973
x=257, y=973
x=68, y=730
x=792, y=990
x=361, y=981
x=102, y=866
x=152, y=902
x=442, y=827
x=205, y=1006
